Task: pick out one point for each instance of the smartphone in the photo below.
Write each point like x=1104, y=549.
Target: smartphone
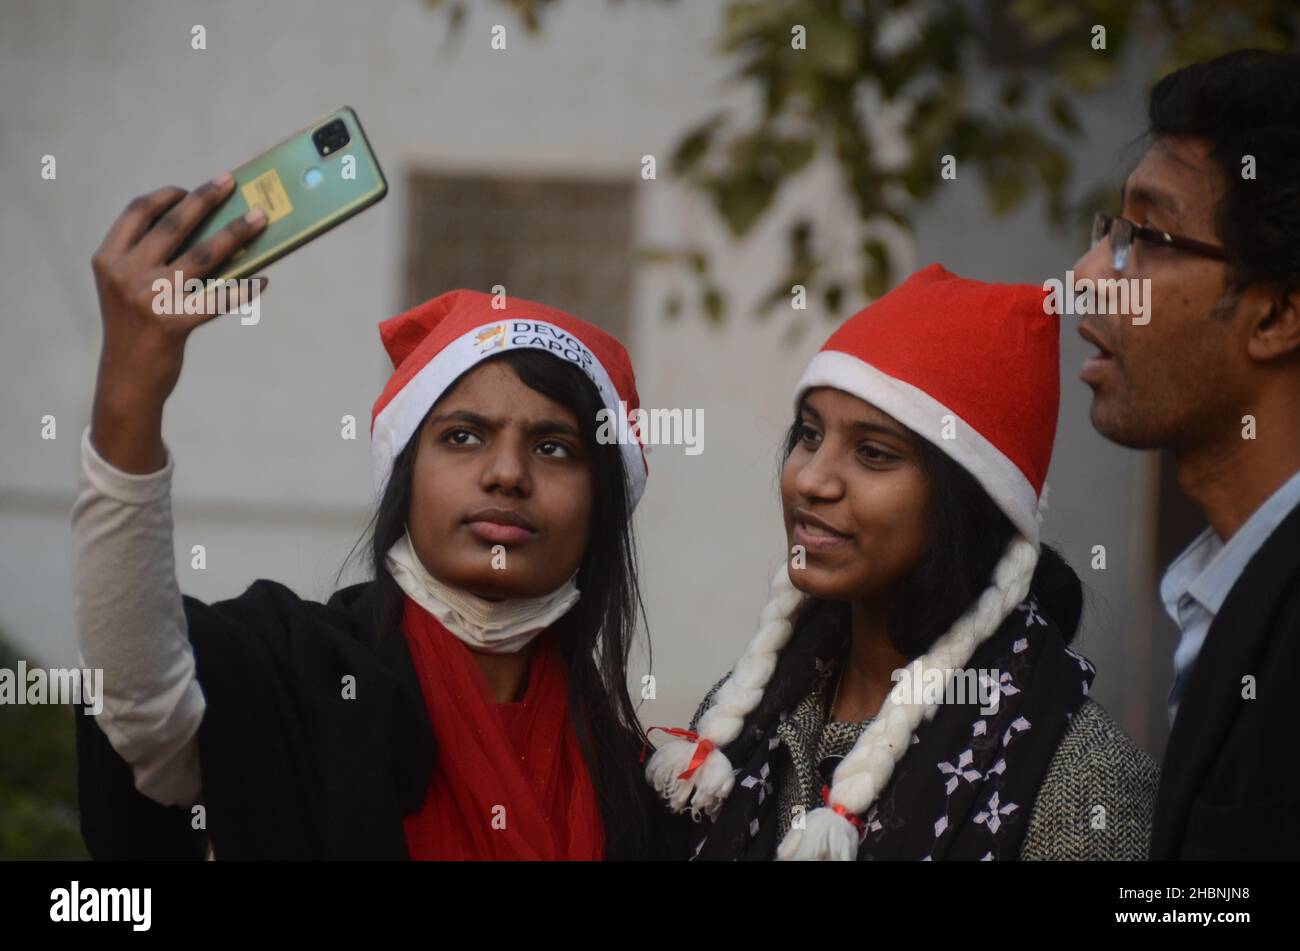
x=317, y=178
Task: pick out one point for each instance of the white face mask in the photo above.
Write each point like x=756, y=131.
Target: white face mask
x=494, y=627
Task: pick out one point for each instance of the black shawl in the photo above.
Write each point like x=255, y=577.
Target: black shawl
x=966, y=786
x=293, y=765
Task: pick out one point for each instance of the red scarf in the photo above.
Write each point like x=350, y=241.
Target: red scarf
x=510, y=781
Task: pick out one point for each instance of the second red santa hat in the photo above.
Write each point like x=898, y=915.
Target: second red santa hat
x=973, y=367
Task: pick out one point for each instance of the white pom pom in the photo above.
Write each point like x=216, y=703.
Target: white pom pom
x=713, y=783
x=704, y=791
x=665, y=766
x=826, y=836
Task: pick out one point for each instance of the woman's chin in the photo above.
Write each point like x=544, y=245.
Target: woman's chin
x=500, y=589
x=820, y=582
x=500, y=584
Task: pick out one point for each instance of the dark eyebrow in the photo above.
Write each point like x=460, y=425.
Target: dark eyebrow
x=545, y=426
x=864, y=426
x=860, y=425
x=1160, y=200
x=538, y=428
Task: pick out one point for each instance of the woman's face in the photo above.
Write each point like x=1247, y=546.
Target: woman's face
x=854, y=496
x=501, y=488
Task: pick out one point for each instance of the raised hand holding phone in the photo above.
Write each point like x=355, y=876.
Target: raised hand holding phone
x=312, y=181
x=142, y=351
x=222, y=231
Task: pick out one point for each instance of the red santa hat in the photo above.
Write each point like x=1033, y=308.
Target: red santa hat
x=973, y=368
x=433, y=344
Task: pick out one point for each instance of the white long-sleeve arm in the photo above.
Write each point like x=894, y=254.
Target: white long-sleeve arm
x=131, y=623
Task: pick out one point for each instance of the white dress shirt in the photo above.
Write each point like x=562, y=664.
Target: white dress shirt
x=1195, y=585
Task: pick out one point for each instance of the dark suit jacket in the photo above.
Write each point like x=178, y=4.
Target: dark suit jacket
x=1230, y=782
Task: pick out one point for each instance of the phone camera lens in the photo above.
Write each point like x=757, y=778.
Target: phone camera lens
x=331, y=137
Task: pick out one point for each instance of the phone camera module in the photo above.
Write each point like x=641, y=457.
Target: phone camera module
x=331, y=137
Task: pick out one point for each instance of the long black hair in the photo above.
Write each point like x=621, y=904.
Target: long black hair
x=596, y=635
x=966, y=534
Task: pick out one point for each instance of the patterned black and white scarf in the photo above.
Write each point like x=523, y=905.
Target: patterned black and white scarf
x=966, y=787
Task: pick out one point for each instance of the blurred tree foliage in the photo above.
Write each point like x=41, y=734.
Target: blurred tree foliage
x=38, y=778
x=992, y=83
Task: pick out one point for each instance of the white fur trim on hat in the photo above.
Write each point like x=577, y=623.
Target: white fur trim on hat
x=1001, y=478
x=398, y=421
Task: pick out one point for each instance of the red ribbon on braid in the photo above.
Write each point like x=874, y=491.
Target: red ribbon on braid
x=840, y=810
x=703, y=747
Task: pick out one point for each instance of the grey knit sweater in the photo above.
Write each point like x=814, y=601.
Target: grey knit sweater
x=1095, y=802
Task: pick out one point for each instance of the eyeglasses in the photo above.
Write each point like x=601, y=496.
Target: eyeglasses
x=1122, y=232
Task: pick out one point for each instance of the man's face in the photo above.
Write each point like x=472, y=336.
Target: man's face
x=1175, y=380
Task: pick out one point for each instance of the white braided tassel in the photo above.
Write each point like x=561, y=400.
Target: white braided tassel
x=706, y=789
x=864, y=772
x=825, y=835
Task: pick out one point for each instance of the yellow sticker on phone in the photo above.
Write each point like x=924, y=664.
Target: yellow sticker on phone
x=267, y=192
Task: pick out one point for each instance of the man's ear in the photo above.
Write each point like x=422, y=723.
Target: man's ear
x=1274, y=328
